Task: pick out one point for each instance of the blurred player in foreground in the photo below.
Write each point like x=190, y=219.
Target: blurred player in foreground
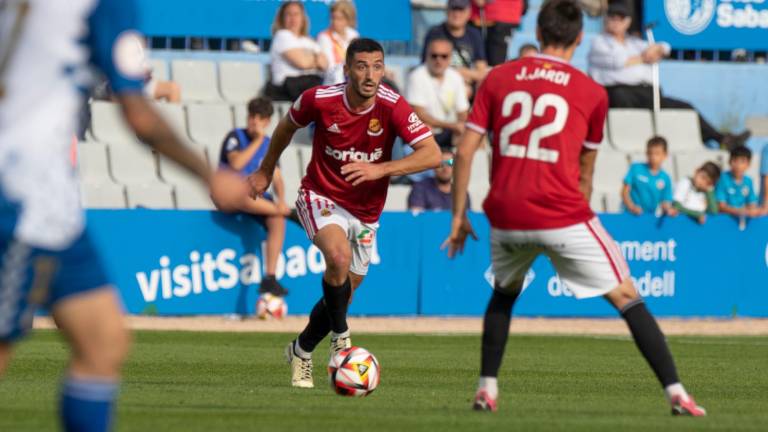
x=48, y=259
x=343, y=193
x=547, y=119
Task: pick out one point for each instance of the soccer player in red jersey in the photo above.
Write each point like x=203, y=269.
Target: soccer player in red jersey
x=546, y=118
x=343, y=193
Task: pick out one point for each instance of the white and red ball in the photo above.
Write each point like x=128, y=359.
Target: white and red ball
x=270, y=306
x=354, y=372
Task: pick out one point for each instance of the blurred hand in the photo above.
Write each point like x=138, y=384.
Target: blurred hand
x=653, y=54
x=259, y=182
x=229, y=190
x=282, y=209
x=636, y=210
x=359, y=172
x=460, y=228
x=702, y=219
x=671, y=211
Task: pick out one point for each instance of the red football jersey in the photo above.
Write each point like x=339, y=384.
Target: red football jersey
x=342, y=136
x=541, y=112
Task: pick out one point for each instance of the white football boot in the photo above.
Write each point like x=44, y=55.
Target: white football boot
x=301, y=369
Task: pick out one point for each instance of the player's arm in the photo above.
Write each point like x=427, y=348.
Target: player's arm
x=281, y=137
x=587, y=171
x=470, y=142
x=426, y=155
x=279, y=186
x=432, y=121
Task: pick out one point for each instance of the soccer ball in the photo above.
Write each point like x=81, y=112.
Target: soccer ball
x=271, y=306
x=354, y=372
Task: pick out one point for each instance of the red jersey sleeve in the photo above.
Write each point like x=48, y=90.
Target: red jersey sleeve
x=596, y=127
x=303, y=111
x=407, y=124
x=479, y=117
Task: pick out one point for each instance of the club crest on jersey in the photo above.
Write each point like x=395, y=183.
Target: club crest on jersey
x=745, y=190
x=660, y=184
x=374, y=127
x=325, y=212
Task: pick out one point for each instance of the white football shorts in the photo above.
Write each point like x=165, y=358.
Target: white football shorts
x=584, y=255
x=316, y=211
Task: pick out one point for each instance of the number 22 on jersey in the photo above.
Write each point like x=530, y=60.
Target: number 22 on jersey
x=528, y=109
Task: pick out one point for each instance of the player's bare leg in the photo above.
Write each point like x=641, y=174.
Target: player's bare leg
x=496, y=321
x=652, y=344
x=93, y=324
x=5, y=357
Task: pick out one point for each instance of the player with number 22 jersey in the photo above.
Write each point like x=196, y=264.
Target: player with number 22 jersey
x=544, y=105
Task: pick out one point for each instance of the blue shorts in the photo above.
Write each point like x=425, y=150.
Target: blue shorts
x=31, y=278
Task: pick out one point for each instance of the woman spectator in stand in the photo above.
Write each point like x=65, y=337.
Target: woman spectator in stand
x=297, y=60
x=334, y=40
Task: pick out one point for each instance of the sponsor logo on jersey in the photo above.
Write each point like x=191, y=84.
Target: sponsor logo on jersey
x=414, y=123
x=353, y=155
x=334, y=128
x=374, y=127
x=689, y=16
x=544, y=73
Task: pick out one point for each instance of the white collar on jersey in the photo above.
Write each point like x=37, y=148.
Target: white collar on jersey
x=553, y=58
x=369, y=109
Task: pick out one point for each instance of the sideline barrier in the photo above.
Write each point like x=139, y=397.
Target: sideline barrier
x=171, y=262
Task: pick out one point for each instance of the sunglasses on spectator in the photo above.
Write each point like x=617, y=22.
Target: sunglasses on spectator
x=435, y=56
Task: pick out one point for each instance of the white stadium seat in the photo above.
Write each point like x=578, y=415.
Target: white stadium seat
x=107, y=124
x=208, y=124
x=239, y=82
x=305, y=155
x=397, y=198
x=629, y=128
x=687, y=163
x=173, y=114
x=197, y=79
x=193, y=197
x=681, y=129
x=93, y=162
x=156, y=196
x=597, y=201
x=612, y=201
x=133, y=163
x=159, y=69
x=290, y=167
x=610, y=169
x=172, y=173
x=102, y=195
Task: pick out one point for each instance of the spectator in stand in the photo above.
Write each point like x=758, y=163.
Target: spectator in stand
x=335, y=40
x=528, y=50
x=297, y=60
x=622, y=63
x=242, y=151
x=434, y=193
x=495, y=19
x=734, y=192
x=468, y=49
x=438, y=95
x=156, y=89
x=647, y=187
x=694, y=196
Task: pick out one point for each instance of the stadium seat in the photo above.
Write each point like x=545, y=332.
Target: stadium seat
x=686, y=163
x=612, y=201
x=171, y=173
x=159, y=69
x=193, y=197
x=290, y=167
x=281, y=108
x=174, y=115
x=240, y=81
x=208, y=124
x=107, y=124
x=754, y=171
x=630, y=128
x=93, y=162
x=681, y=129
x=149, y=196
x=397, y=198
x=758, y=125
x=597, y=201
x=399, y=75
x=305, y=155
x=610, y=169
x=668, y=165
x=197, y=79
x=97, y=195
x=304, y=136
x=133, y=163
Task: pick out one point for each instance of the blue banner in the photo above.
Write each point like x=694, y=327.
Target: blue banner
x=710, y=24
x=197, y=262
x=253, y=18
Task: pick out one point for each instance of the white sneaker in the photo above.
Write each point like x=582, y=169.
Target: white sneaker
x=301, y=369
x=339, y=344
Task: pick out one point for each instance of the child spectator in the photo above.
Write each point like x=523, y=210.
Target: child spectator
x=694, y=196
x=734, y=192
x=647, y=187
x=243, y=151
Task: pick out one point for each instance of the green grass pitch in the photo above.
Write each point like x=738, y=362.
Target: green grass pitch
x=179, y=381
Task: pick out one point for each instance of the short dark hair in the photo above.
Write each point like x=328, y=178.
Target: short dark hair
x=711, y=170
x=560, y=23
x=657, y=141
x=440, y=38
x=741, y=151
x=362, y=45
x=260, y=106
